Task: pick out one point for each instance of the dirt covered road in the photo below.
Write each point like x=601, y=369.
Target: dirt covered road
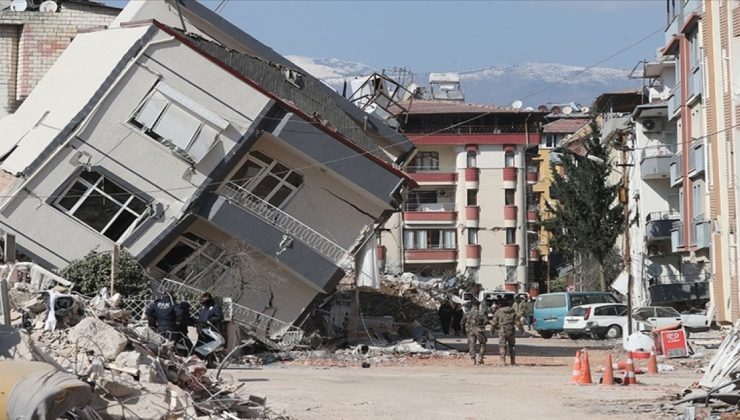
x=451, y=388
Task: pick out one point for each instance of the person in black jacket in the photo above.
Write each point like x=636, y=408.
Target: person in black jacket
x=209, y=315
x=162, y=316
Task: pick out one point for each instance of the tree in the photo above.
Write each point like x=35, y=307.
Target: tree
x=92, y=272
x=587, y=217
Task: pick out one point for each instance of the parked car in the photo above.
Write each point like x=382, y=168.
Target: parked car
x=656, y=316
x=550, y=309
x=696, y=320
x=599, y=320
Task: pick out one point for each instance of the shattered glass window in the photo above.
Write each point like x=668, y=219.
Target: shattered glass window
x=268, y=179
x=103, y=205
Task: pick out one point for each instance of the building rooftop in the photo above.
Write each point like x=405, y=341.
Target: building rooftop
x=565, y=125
x=425, y=106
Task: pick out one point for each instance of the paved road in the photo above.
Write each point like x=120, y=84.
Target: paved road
x=453, y=389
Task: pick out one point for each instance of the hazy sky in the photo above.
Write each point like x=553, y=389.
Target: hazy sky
x=454, y=36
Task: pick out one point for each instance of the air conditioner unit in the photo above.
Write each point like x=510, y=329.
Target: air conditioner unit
x=652, y=125
x=441, y=193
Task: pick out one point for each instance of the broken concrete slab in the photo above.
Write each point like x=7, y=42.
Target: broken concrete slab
x=94, y=335
x=129, y=359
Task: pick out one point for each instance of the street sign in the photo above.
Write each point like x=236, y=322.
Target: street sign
x=674, y=343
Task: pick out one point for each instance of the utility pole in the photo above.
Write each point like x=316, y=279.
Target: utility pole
x=624, y=198
x=9, y=260
x=113, y=268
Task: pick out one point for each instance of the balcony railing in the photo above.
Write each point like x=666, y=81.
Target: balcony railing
x=696, y=82
x=677, y=239
x=701, y=233
x=284, y=222
x=675, y=170
x=696, y=159
x=272, y=332
x=674, y=102
x=472, y=129
x=429, y=207
x=655, y=161
x=658, y=226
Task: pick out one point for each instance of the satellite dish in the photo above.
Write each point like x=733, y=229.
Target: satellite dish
x=49, y=6
x=556, y=110
x=585, y=109
x=18, y=5
x=543, y=108
x=567, y=110
x=529, y=108
x=517, y=104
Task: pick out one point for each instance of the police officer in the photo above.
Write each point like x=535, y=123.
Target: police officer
x=210, y=314
x=162, y=316
x=474, y=322
x=505, y=322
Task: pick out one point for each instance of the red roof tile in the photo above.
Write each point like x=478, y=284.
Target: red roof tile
x=565, y=125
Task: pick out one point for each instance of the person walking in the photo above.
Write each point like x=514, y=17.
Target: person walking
x=505, y=322
x=209, y=315
x=475, y=325
x=445, y=313
x=519, y=309
x=529, y=313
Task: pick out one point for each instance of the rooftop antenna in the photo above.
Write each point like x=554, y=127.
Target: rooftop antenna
x=220, y=7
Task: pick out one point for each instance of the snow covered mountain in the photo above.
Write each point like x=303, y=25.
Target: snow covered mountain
x=533, y=83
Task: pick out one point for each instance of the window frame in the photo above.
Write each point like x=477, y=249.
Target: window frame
x=419, y=163
x=140, y=220
x=266, y=171
x=199, y=244
x=413, y=239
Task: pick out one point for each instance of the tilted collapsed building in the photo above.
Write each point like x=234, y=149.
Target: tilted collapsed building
x=174, y=134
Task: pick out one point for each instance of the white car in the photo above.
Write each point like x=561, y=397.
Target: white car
x=600, y=320
x=656, y=316
x=696, y=320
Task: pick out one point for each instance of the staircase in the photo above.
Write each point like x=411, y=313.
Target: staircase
x=273, y=333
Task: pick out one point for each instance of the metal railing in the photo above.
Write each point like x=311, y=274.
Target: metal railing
x=284, y=222
x=429, y=207
x=472, y=129
x=274, y=333
x=678, y=278
x=663, y=215
x=658, y=150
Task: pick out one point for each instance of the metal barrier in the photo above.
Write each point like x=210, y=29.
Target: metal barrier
x=274, y=333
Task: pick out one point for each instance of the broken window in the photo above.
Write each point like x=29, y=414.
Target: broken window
x=194, y=258
x=103, y=205
x=180, y=123
x=267, y=178
x=425, y=161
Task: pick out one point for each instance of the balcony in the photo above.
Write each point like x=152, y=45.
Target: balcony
x=511, y=255
x=696, y=83
x=674, y=102
x=655, y=162
x=510, y=213
x=658, y=226
x=472, y=216
x=533, y=175
x=532, y=216
x=430, y=255
x=434, y=213
x=677, y=239
x=675, y=288
x=472, y=177
x=696, y=159
x=432, y=178
x=534, y=253
x=701, y=233
x=472, y=255
x=510, y=177
x=675, y=170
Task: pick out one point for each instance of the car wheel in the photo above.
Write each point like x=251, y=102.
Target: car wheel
x=614, y=332
x=545, y=334
x=574, y=336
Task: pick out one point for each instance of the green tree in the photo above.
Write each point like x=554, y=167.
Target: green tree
x=92, y=272
x=587, y=217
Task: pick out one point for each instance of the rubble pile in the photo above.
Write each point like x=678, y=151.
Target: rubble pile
x=400, y=353
x=718, y=391
x=132, y=371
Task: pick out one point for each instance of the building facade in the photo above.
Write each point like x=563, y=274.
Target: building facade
x=31, y=41
x=469, y=214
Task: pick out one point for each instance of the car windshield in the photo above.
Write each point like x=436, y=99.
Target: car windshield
x=550, y=301
x=668, y=312
x=577, y=311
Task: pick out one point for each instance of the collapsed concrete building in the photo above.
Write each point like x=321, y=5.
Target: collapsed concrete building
x=184, y=140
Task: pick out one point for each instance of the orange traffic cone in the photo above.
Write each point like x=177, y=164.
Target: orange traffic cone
x=576, y=374
x=608, y=378
x=652, y=367
x=585, y=369
x=629, y=373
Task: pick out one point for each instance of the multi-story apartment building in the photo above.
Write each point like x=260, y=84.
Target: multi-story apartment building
x=469, y=214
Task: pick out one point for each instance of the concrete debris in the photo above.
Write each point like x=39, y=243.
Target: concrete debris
x=133, y=372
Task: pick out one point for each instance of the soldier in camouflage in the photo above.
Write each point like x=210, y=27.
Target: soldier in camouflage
x=505, y=321
x=475, y=326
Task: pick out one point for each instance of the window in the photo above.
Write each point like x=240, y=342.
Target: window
x=180, y=123
x=472, y=159
x=472, y=236
x=698, y=203
x=472, y=197
x=510, y=275
x=425, y=161
x=429, y=239
x=193, y=257
x=549, y=141
x=509, y=196
x=267, y=178
x=103, y=205
x=510, y=236
x=550, y=301
x=667, y=312
x=509, y=159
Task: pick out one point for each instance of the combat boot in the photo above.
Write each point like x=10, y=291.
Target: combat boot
x=479, y=359
x=513, y=359
x=474, y=359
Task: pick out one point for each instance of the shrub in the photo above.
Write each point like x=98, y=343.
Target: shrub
x=92, y=272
